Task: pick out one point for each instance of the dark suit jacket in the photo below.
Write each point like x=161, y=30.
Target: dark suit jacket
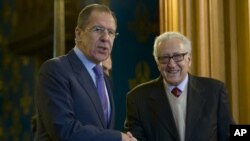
x=149, y=115
x=68, y=106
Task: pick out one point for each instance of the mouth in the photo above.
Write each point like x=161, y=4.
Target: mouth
x=173, y=72
x=102, y=48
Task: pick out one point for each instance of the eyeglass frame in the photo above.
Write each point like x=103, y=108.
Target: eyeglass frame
x=101, y=30
x=173, y=57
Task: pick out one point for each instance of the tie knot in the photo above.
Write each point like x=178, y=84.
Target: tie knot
x=98, y=70
x=176, y=92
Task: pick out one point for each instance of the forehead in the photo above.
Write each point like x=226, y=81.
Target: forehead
x=171, y=46
x=102, y=18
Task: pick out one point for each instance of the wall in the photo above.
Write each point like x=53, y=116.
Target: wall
x=133, y=62
x=16, y=83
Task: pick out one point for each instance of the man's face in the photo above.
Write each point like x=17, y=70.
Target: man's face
x=96, y=40
x=172, y=71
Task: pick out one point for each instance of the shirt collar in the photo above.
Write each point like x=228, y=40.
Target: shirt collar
x=181, y=86
x=87, y=63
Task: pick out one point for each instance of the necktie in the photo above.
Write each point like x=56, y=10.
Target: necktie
x=100, y=84
x=176, y=92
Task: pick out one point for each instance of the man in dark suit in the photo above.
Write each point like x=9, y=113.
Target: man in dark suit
x=72, y=104
x=178, y=106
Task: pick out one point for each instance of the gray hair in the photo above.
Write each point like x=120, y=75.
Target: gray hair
x=83, y=17
x=171, y=35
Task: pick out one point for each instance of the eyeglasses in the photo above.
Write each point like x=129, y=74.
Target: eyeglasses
x=176, y=57
x=101, y=30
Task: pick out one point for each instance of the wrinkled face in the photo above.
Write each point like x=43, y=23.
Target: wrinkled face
x=96, y=40
x=172, y=71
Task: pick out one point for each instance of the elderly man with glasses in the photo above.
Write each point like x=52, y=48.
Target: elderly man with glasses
x=178, y=106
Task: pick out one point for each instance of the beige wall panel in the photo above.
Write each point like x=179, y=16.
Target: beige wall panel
x=242, y=11
x=217, y=40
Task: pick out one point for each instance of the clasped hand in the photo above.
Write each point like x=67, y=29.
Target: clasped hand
x=128, y=137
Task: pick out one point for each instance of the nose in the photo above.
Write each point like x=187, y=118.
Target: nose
x=171, y=63
x=105, y=36
x=105, y=33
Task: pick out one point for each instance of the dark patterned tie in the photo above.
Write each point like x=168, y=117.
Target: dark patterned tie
x=176, y=92
x=100, y=84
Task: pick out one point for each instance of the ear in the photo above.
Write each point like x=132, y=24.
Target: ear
x=158, y=66
x=189, y=60
x=77, y=33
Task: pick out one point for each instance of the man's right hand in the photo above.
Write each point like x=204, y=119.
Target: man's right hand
x=128, y=137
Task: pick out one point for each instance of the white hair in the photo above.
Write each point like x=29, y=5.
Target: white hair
x=171, y=35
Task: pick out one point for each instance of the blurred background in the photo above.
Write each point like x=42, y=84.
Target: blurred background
x=32, y=31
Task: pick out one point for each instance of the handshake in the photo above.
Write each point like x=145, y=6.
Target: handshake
x=128, y=137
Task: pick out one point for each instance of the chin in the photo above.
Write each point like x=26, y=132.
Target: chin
x=173, y=82
x=101, y=57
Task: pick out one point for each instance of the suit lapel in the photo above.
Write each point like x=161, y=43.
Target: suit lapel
x=195, y=104
x=161, y=108
x=87, y=83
